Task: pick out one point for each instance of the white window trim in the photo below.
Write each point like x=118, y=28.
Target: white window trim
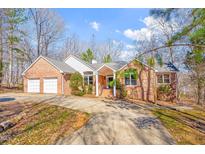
x=88, y=79
x=130, y=82
x=163, y=79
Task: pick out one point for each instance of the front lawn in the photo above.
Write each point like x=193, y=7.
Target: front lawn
x=187, y=126
x=42, y=124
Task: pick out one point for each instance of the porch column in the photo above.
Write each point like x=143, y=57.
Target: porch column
x=114, y=87
x=96, y=84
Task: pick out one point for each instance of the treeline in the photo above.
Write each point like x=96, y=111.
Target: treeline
x=27, y=33
x=24, y=35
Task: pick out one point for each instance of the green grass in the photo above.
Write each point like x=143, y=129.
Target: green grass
x=45, y=124
x=181, y=124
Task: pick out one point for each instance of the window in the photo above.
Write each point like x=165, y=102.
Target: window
x=130, y=79
x=166, y=78
x=163, y=78
x=160, y=78
x=88, y=79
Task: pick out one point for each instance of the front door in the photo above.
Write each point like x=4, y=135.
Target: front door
x=109, y=79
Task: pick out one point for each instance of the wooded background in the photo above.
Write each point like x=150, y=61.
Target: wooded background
x=174, y=35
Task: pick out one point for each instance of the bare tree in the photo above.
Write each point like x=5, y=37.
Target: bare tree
x=71, y=45
x=110, y=47
x=48, y=27
x=93, y=44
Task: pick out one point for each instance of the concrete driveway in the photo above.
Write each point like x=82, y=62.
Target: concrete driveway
x=112, y=122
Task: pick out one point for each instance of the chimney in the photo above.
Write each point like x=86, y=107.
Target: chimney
x=94, y=61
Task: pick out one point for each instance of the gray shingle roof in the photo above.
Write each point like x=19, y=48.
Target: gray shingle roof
x=96, y=66
x=116, y=65
x=61, y=65
x=166, y=67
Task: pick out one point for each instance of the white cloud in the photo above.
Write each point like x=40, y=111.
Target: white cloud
x=127, y=55
x=129, y=46
x=115, y=42
x=95, y=25
x=117, y=31
x=138, y=35
x=149, y=21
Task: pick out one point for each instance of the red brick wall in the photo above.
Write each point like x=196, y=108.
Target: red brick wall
x=173, y=84
x=42, y=69
x=135, y=92
x=67, y=89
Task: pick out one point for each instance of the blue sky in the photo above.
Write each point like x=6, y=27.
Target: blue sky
x=104, y=23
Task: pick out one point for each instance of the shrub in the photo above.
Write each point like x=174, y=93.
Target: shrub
x=164, y=92
x=78, y=92
x=76, y=84
x=123, y=91
x=90, y=89
x=120, y=87
x=164, y=89
x=76, y=81
x=117, y=82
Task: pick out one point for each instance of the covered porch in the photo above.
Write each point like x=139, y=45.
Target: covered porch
x=105, y=78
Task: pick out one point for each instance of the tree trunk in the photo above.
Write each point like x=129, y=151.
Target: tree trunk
x=10, y=65
x=46, y=49
x=141, y=84
x=1, y=52
x=38, y=39
x=155, y=90
x=198, y=92
x=17, y=71
x=148, y=86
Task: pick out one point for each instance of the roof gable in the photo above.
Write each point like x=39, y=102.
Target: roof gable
x=80, y=60
x=61, y=66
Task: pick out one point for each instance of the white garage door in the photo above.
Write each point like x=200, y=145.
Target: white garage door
x=50, y=85
x=34, y=85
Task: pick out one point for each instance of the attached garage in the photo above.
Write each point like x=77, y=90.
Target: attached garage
x=50, y=85
x=46, y=75
x=33, y=85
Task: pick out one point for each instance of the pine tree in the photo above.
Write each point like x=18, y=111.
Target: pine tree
x=14, y=18
x=88, y=55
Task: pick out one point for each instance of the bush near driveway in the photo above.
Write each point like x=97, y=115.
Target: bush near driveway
x=76, y=84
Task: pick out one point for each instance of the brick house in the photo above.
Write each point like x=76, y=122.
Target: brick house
x=46, y=75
